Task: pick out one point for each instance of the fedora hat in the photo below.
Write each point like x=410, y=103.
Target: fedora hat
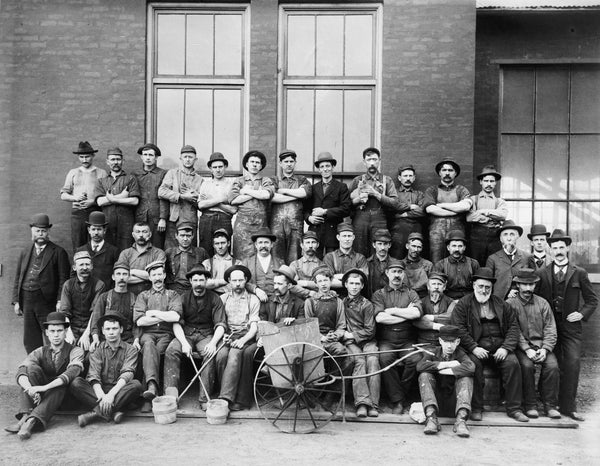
x=263, y=232
x=510, y=225
x=489, y=170
x=287, y=153
x=97, y=218
x=147, y=146
x=325, y=157
x=355, y=271
x=526, y=275
x=538, y=230
x=111, y=315
x=484, y=273
x=456, y=235
x=40, y=221
x=255, y=153
x=448, y=160
x=84, y=147
x=287, y=272
x=198, y=270
x=245, y=270
x=217, y=157
x=559, y=235
x=56, y=318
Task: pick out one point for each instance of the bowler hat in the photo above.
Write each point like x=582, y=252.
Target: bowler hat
x=148, y=146
x=408, y=166
x=559, y=235
x=40, y=221
x=111, y=315
x=114, y=151
x=441, y=276
x=217, y=157
x=198, y=270
x=449, y=332
x=355, y=271
x=487, y=171
x=187, y=226
x=245, y=270
x=221, y=232
x=81, y=255
x=345, y=227
x=484, y=273
x=121, y=265
x=254, y=153
x=287, y=272
x=526, y=275
x=310, y=234
x=456, y=235
x=325, y=157
x=382, y=234
x=263, y=232
x=97, y=218
x=84, y=147
x=187, y=149
x=394, y=264
x=510, y=225
x=415, y=235
x=154, y=265
x=56, y=318
x=287, y=153
x=371, y=150
x=447, y=160
x=538, y=230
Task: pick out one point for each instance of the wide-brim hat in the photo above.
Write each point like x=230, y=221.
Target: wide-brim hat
x=527, y=276
x=287, y=272
x=111, y=315
x=559, y=235
x=263, y=232
x=217, y=157
x=456, y=235
x=40, y=221
x=84, y=147
x=325, y=157
x=510, y=225
x=356, y=271
x=255, y=153
x=56, y=318
x=450, y=161
x=538, y=230
x=233, y=268
x=97, y=218
x=147, y=146
x=484, y=273
x=487, y=171
x=198, y=270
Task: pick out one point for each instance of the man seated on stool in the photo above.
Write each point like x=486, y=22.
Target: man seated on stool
x=446, y=383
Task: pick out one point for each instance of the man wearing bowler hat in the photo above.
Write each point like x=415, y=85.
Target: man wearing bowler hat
x=118, y=194
x=251, y=194
x=446, y=205
x=538, y=236
x=282, y=305
x=79, y=190
x=329, y=204
x=214, y=209
x=486, y=216
x=45, y=376
x=151, y=209
x=42, y=270
x=416, y=268
x=567, y=288
x=457, y=267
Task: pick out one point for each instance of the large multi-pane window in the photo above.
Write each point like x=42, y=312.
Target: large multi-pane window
x=329, y=82
x=550, y=151
x=197, y=72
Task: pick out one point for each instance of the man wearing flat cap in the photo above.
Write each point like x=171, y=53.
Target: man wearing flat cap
x=446, y=204
x=304, y=266
x=536, y=343
x=377, y=263
x=329, y=204
x=201, y=327
x=214, y=209
x=79, y=191
x=45, y=376
x=345, y=257
x=416, y=268
x=287, y=219
x=151, y=209
x=251, y=193
x=118, y=194
x=182, y=258
x=486, y=216
x=538, y=236
x=409, y=216
x=457, y=267
x=42, y=270
x=282, y=306
x=180, y=187
x=437, y=309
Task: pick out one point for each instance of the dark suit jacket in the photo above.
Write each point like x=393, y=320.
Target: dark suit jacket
x=295, y=308
x=504, y=270
x=53, y=274
x=338, y=204
x=466, y=317
x=103, y=262
x=579, y=294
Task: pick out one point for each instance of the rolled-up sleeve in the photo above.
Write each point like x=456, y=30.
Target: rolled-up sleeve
x=129, y=364
x=75, y=366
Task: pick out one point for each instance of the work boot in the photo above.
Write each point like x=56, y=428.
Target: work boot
x=432, y=425
x=118, y=417
x=361, y=411
x=461, y=429
x=373, y=412
x=553, y=413
x=14, y=428
x=87, y=418
x=476, y=415
x=532, y=413
x=397, y=408
x=27, y=428
x=151, y=392
x=518, y=416
x=146, y=407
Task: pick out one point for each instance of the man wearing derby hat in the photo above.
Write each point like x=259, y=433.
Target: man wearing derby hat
x=329, y=204
x=42, y=270
x=118, y=194
x=490, y=334
x=416, y=267
x=79, y=190
x=567, y=288
x=215, y=210
x=437, y=309
x=45, y=376
x=537, y=340
x=251, y=194
x=446, y=205
x=486, y=216
x=538, y=236
x=103, y=254
x=506, y=263
x=282, y=305
x=151, y=209
x=457, y=267
x=201, y=327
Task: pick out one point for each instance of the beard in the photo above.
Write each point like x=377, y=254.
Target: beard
x=482, y=297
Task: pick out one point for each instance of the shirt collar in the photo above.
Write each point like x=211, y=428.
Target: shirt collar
x=484, y=195
x=405, y=190
x=452, y=260
x=329, y=295
x=308, y=259
x=375, y=177
x=562, y=264
x=447, y=188
x=342, y=254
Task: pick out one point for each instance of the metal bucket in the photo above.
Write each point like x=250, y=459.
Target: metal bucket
x=164, y=409
x=217, y=411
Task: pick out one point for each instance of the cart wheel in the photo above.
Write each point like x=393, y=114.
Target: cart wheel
x=299, y=387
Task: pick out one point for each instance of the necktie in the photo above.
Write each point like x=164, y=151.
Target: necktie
x=95, y=248
x=539, y=262
x=561, y=274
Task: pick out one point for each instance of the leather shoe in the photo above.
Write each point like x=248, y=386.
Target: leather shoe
x=151, y=392
x=236, y=407
x=118, y=417
x=432, y=426
x=397, y=408
x=461, y=429
x=203, y=404
x=87, y=418
x=532, y=413
x=27, y=428
x=476, y=416
x=361, y=411
x=373, y=412
x=146, y=407
x=553, y=413
x=14, y=428
x=575, y=416
x=519, y=416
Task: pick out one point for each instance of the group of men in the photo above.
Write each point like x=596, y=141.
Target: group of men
x=100, y=328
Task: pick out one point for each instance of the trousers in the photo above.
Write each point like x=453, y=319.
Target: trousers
x=400, y=230
x=82, y=390
x=483, y=242
x=365, y=223
x=288, y=231
x=153, y=345
x=446, y=393
x=511, y=381
x=568, y=354
x=209, y=222
x=366, y=390
x=548, y=384
x=35, y=310
x=235, y=368
x=396, y=386
x=438, y=229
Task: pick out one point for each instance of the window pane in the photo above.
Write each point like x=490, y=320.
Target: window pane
x=330, y=45
x=228, y=45
x=199, y=122
x=520, y=212
x=359, y=45
x=299, y=127
x=584, y=229
x=329, y=122
x=171, y=44
x=228, y=125
x=199, y=54
x=357, y=128
x=552, y=101
x=517, y=103
x=585, y=167
x=551, y=167
x=169, y=125
x=516, y=160
x=585, y=105
x=551, y=214
x=301, y=46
